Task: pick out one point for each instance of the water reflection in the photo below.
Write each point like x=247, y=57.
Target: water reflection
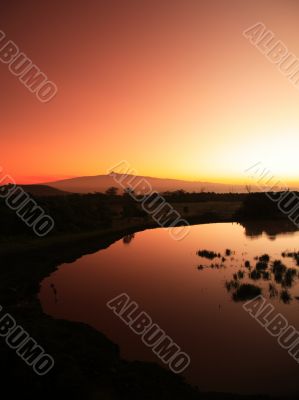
x=54, y=292
x=272, y=229
x=262, y=268
x=192, y=305
x=128, y=238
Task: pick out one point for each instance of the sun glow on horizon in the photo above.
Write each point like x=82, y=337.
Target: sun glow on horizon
x=176, y=90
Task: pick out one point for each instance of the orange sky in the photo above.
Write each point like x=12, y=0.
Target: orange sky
x=171, y=86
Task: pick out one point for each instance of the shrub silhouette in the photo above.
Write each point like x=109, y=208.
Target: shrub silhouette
x=246, y=291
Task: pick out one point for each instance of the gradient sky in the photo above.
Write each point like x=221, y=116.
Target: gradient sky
x=171, y=86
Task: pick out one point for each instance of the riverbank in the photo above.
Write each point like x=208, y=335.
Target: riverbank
x=194, y=213
x=87, y=364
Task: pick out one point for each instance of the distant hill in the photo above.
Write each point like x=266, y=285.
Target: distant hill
x=42, y=190
x=100, y=183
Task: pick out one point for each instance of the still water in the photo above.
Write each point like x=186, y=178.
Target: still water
x=229, y=350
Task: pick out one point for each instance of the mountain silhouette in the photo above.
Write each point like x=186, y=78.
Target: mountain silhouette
x=100, y=183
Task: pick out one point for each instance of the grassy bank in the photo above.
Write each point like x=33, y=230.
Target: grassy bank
x=206, y=212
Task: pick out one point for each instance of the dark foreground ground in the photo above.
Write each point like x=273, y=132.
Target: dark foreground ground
x=87, y=364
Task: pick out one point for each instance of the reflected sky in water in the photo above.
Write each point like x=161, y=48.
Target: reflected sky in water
x=229, y=350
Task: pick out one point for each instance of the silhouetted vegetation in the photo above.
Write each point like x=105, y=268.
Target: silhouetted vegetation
x=246, y=291
x=74, y=213
x=240, y=274
x=181, y=196
x=289, y=277
x=294, y=255
x=259, y=206
x=232, y=284
x=261, y=265
x=208, y=254
x=277, y=273
x=266, y=275
x=285, y=296
x=255, y=275
x=278, y=269
x=265, y=258
x=112, y=191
